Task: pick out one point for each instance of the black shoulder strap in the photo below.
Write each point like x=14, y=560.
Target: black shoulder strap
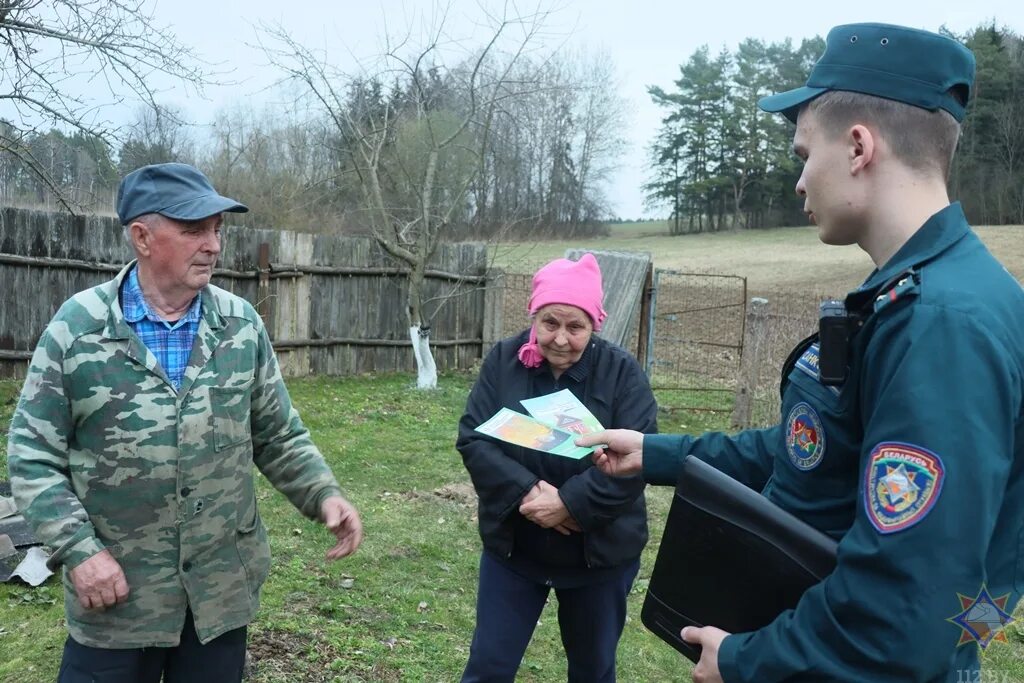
x=860, y=305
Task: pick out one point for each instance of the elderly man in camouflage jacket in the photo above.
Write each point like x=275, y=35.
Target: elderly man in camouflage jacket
x=148, y=400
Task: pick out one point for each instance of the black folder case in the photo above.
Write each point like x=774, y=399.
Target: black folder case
x=729, y=558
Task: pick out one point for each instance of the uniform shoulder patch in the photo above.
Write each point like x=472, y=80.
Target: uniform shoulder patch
x=805, y=437
x=808, y=362
x=901, y=485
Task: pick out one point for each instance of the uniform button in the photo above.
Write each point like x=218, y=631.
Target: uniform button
x=185, y=491
x=186, y=566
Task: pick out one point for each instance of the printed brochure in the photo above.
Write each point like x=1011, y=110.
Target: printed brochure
x=522, y=430
x=555, y=421
x=562, y=410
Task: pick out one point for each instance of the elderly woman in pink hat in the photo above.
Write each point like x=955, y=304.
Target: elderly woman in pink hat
x=547, y=521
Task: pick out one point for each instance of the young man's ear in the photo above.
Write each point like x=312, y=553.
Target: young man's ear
x=862, y=147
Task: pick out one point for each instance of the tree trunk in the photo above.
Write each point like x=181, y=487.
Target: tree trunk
x=419, y=334
x=426, y=369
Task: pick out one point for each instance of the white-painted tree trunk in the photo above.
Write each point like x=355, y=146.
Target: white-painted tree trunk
x=426, y=369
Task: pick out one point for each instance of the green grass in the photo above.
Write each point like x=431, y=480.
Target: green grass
x=639, y=228
x=401, y=609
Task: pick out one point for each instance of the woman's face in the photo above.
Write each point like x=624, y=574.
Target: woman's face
x=563, y=332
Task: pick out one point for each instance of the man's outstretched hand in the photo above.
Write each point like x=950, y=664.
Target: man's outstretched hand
x=617, y=452
x=341, y=517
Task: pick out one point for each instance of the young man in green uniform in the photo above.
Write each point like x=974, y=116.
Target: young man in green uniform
x=911, y=454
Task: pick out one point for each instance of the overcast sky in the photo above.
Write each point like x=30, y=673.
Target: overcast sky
x=646, y=40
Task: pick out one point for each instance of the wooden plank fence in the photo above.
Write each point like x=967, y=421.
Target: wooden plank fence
x=333, y=304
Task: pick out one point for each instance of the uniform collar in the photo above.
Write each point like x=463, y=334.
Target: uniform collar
x=941, y=231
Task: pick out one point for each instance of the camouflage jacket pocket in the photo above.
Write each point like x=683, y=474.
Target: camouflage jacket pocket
x=230, y=406
x=253, y=549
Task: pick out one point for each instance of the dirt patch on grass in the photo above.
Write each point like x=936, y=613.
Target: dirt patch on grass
x=307, y=658
x=402, y=553
x=461, y=494
x=283, y=656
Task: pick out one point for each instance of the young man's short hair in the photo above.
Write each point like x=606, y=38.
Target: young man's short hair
x=924, y=140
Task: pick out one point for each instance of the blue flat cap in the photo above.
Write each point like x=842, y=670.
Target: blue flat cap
x=178, y=191
x=898, y=63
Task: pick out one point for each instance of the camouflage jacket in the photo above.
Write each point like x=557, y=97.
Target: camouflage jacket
x=103, y=453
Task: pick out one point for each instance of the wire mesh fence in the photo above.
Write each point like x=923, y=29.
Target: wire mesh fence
x=786, y=318
x=695, y=337
x=515, y=298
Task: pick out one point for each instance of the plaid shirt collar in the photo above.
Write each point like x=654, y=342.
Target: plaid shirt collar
x=136, y=308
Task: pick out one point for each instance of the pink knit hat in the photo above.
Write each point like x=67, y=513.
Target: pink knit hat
x=576, y=283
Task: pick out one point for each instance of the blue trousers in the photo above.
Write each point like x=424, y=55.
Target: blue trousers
x=219, y=661
x=508, y=605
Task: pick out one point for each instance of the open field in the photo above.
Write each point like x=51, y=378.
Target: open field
x=771, y=260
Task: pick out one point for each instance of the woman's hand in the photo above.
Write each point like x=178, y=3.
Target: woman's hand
x=544, y=507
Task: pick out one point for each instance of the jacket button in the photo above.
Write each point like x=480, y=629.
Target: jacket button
x=186, y=566
x=185, y=491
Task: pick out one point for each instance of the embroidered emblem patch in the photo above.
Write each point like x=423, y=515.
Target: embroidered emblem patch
x=982, y=618
x=805, y=438
x=901, y=484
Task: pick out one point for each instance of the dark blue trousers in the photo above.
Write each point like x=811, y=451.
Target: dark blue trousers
x=219, y=661
x=507, y=608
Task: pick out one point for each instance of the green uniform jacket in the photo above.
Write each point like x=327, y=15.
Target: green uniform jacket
x=915, y=464
x=103, y=453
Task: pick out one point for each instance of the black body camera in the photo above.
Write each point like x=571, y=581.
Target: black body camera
x=834, y=340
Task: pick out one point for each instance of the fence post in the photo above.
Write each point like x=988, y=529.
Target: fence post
x=263, y=285
x=750, y=364
x=494, y=310
x=645, y=317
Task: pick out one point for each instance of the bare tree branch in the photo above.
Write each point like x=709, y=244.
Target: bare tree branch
x=66, y=61
x=417, y=133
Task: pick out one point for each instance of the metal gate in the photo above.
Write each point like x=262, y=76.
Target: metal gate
x=695, y=327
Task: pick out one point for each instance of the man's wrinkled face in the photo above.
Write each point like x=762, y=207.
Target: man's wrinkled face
x=181, y=255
